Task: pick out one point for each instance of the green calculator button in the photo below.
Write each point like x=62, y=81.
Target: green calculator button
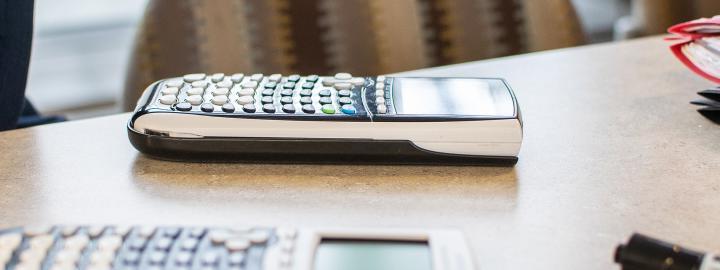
x=328, y=109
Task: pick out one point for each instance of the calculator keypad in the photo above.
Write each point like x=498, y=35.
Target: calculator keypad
x=259, y=94
x=146, y=247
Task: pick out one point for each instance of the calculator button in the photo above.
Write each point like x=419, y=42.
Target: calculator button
x=183, y=106
x=237, y=77
x=195, y=91
x=259, y=237
x=358, y=81
x=157, y=257
x=76, y=242
x=305, y=100
x=217, y=77
x=286, y=92
x=348, y=109
x=380, y=100
x=379, y=86
x=328, y=109
x=268, y=92
x=228, y=108
x=170, y=91
x=256, y=77
x=196, y=232
x=249, y=84
x=221, y=92
x=246, y=92
x=289, y=85
x=269, y=108
x=325, y=93
x=236, y=259
x=219, y=100
x=131, y=257
x=10, y=241
x=137, y=243
x=293, y=78
x=270, y=85
x=288, y=108
x=305, y=92
x=194, y=77
x=183, y=258
x=266, y=100
x=199, y=84
x=344, y=100
x=328, y=82
x=146, y=231
x=344, y=93
x=275, y=77
x=312, y=78
x=224, y=84
x=286, y=100
x=237, y=244
x=210, y=258
x=168, y=99
x=189, y=244
x=380, y=79
x=174, y=83
x=379, y=93
x=343, y=86
x=381, y=109
x=325, y=100
x=308, y=108
x=308, y=85
x=163, y=243
x=343, y=76
x=249, y=108
x=245, y=100
x=31, y=231
x=207, y=107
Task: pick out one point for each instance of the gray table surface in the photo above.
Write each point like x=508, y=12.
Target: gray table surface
x=611, y=147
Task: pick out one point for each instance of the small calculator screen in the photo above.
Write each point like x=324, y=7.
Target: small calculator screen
x=343, y=254
x=452, y=96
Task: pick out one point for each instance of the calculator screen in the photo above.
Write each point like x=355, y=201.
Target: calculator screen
x=452, y=96
x=346, y=254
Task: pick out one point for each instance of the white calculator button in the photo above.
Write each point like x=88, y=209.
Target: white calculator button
x=358, y=81
x=102, y=257
x=328, y=81
x=195, y=91
x=36, y=230
x=194, y=100
x=237, y=77
x=379, y=93
x=173, y=83
x=381, y=109
x=42, y=241
x=219, y=100
x=249, y=84
x=380, y=100
x=237, y=244
x=258, y=237
x=95, y=230
x=68, y=231
x=219, y=236
x=33, y=255
x=245, y=100
x=246, y=92
x=168, y=99
x=76, y=242
x=224, y=84
x=194, y=77
x=111, y=243
x=10, y=241
x=275, y=77
x=343, y=76
x=122, y=231
x=147, y=231
x=343, y=86
x=199, y=84
x=217, y=77
x=220, y=92
x=5, y=257
x=67, y=256
x=381, y=79
x=170, y=91
x=379, y=86
x=256, y=77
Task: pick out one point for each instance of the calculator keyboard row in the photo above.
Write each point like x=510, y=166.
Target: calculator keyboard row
x=146, y=247
x=257, y=93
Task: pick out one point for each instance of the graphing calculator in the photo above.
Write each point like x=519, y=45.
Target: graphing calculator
x=230, y=248
x=335, y=119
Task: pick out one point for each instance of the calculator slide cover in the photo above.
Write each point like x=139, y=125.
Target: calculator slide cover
x=404, y=122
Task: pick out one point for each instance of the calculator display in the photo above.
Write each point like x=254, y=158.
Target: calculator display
x=452, y=96
x=371, y=254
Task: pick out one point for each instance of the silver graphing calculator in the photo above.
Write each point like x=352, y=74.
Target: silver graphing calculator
x=230, y=248
x=337, y=119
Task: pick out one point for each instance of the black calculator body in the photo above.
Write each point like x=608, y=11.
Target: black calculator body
x=328, y=119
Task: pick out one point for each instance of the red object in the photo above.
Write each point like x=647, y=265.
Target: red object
x=688, y=32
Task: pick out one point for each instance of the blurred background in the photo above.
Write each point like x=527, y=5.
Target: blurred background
x=82, y=48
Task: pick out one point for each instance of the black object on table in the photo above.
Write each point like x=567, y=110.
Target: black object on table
x=710, y=103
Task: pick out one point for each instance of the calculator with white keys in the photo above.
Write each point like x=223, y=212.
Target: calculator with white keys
x=70, y=247
x=328, y=119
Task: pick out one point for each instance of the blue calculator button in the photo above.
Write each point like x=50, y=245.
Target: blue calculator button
x=348, y=109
